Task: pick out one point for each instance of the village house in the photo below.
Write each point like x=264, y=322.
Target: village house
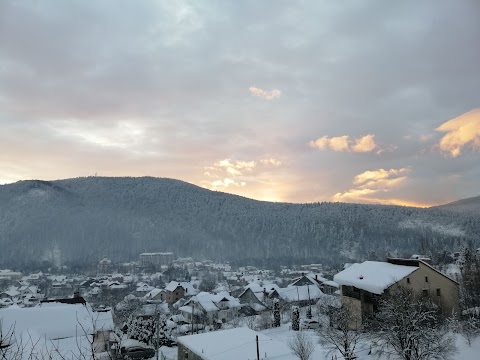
x=362, y=285
x=256, y=296
x=175, y=291
x=206, y=307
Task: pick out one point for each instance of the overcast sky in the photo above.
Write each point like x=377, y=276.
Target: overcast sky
x=300, y=101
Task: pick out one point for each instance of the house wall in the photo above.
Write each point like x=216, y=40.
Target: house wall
x=172, y=297
x=448, y=298
x=354, y=306
x=247, y=297
x=184, y=353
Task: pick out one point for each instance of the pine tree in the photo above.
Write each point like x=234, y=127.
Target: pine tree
x=295, y=318
x=276, y=313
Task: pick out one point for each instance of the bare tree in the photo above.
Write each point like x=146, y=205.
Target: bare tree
x=468, y=326
x=339, y=334
x=409, y=327
x=265, y=320
x=250, y=321
x=302, y=345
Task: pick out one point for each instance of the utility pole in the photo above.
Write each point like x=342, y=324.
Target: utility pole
x=193, y=310
x=309, y=301
x=158, y=332
x=258, y=350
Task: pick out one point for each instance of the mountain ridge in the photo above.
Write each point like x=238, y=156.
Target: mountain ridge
x=471, y=204
x=82, y=219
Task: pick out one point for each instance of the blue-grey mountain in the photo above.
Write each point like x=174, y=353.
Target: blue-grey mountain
x=80, y=220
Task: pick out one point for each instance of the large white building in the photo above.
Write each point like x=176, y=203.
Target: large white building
x=160, y=258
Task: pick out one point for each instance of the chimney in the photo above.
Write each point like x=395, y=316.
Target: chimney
x=316, y=277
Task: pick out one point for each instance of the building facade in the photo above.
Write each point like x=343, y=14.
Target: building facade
x=157, y=259
x=363, y=285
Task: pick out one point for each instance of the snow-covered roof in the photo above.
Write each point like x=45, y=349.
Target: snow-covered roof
x=300, y=293
x=12, y=292
x=313, y=278
x=209, y=302
x=187, y=286
x=153, y=293
x=373, y=276
x=55, y=320
x=259, y=288
x=145, y=288
x=235, y=344
x=189, y=310
x=331, y=283
x=257, y=307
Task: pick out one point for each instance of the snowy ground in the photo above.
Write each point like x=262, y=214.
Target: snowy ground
x=283, y=333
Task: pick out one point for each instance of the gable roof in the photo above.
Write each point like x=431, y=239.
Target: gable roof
x=209, y=301
x=235, y=344
x=373, y=276
x=187, y=287
x=417, y=262
x=300, y=293
x=55, y=320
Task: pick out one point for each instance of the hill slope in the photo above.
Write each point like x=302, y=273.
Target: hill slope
x=465, y=205
x=79, y=220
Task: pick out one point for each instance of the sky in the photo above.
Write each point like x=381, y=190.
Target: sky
x=297, y=101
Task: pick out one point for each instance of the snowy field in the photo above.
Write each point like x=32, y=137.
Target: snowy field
x=283, y=334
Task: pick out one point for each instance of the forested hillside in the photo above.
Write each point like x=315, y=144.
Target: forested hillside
x=465, y=205
x=80, y=220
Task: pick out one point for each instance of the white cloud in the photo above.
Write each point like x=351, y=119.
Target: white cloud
x=226, y=182
x=264, y=94
x=460, y=132
x=344, y=143
x=271, y=161
x=373, y=182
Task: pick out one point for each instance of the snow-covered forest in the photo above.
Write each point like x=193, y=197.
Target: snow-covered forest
x=79, y=220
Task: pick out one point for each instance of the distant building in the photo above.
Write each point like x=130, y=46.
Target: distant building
x=10, y=275
x=104, y=265
x=157, y=259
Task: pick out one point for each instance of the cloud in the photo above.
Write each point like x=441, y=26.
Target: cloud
x=374, y=176
x=264, y=94
x=364, y=144
x=374, y=182
x=461, y=131
x=343, y=143
x=271, y=161
x=226, y=182
x=234, y=167
x=244, y=177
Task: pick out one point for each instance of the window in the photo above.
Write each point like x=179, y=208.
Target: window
x=408, y=280
x=438, y=292
x=426, y=279
x=425, y=292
